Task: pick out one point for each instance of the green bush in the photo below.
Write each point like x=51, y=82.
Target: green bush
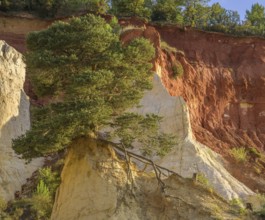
x=239, y=154
x=50, y=179
x=41, y=202
x=38, y=205
x=177, y=69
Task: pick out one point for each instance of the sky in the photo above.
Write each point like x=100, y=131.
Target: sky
x=239, y=5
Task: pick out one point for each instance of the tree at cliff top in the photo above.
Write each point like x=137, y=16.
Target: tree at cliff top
x=50, y=8
x=221, y=16
x=131, y=8
x=196, y=13
x=89, y=78
x=220, y=19
x=167, y=10
x=256, y=16
x=255, y=19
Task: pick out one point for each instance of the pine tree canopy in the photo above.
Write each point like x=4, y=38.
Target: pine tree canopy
x=88, y=76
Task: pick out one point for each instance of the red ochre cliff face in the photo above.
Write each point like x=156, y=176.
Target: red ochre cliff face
x=223, y=85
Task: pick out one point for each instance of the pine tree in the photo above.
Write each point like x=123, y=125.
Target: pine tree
x=167, y=10
x=89, y=77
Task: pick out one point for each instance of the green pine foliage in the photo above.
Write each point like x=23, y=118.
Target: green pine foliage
x=41, y=201
x=89, y=77
x=36, y=204
x=51, y=8
x=130, y=8
x=167, y=11
x=50, y=179
x=177, y=70
x=143, y=131
x=194, y=13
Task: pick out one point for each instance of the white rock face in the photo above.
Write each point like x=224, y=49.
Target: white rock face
x=189, y=156
x=14, y=121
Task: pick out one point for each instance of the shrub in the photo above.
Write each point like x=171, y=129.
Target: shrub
x=37, y=205
x=240, y=154
x=50, y=179
x=177, y=69
x=41, y=201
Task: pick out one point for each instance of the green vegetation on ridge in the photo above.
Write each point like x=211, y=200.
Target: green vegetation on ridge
x=193, y=13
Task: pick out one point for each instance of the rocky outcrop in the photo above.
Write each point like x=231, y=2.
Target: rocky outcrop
x=223, y=85
x=14, y=121
x=188, y=156
x=96, y=185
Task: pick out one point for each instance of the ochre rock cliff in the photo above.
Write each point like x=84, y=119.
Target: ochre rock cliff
x=188, y=156
x=222, y=85
x=96, y=185
x=14, y=121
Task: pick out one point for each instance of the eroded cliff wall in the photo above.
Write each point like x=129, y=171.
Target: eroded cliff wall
x=14, y=121
x=96, y=185
x=188, y=155
x=223, y=85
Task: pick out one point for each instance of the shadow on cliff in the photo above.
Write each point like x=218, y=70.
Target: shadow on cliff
x=16, y=125
x=13, y=170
